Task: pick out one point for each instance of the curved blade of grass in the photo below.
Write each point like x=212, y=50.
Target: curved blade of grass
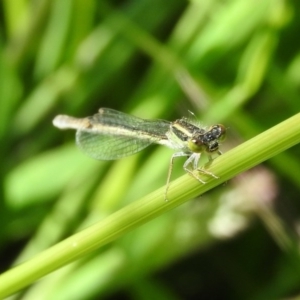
x=237, y=160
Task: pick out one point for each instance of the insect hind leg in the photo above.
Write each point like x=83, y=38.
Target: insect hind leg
x=175, y=155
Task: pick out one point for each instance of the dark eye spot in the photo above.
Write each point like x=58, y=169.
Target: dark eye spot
x=214, y=146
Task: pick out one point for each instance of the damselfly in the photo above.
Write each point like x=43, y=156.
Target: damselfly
x=110, y=135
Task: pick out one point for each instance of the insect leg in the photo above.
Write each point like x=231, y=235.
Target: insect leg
x=203, y=171
x=175, y=155
x=193, y=160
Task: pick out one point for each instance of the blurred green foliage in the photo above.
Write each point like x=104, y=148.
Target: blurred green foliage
x=233, y=61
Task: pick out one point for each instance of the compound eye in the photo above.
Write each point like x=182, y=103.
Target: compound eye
x=213, y=147
x=219, y=131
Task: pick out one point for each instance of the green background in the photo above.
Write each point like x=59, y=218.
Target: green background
x=233, y=62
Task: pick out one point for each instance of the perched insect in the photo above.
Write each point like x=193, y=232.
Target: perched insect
x=110, y=135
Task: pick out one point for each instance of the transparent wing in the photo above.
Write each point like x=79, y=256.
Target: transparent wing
x=105, y=147
x=111, y=134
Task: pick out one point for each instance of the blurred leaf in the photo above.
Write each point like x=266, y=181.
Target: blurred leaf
x=43, y=177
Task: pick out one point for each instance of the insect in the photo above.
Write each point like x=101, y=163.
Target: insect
x=111, y=134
